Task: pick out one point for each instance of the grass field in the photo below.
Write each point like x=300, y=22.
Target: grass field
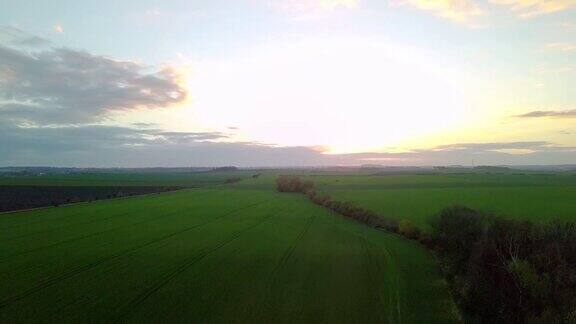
x=188, y=179
x=229, y=254
x=535, y=197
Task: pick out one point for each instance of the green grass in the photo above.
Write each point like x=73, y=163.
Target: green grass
x=230, y=254
x=190, y=179
x=534, y=197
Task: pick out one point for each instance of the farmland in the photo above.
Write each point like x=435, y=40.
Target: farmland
x=217, y=254
x=18, y=192
x=181, y=179
x=243, y=252
x=534, y=197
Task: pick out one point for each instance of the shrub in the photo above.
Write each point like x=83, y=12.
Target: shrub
x=233, y=180
x=508, y=271
x=288, y=183
x=405, y=227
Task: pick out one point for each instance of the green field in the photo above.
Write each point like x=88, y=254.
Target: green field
x=534, y=197
x=245, y=253
x=229, y=254
x=184, y=179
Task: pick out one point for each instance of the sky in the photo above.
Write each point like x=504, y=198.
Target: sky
x=141, y=83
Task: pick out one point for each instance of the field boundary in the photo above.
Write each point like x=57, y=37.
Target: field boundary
x=93, y=201
x=293, y=184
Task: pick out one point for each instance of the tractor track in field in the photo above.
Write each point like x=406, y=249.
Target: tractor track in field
x=186, y=265
x=288, y=253
x=83, y=237
x=370, y=261
x=47, y=220
x=63, y=276
x=284, y=259
x=5, y=259
x=159, y=207
x=397, y=297
x=90, y=222
x=8, y=239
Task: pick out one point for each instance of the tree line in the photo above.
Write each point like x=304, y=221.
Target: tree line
x=289, y=183
x=499, y=270
x=507, y=271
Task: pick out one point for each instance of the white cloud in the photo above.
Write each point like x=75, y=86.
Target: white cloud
x=550, y=113
x=532, y=8
x=459, y=11
x=561, y=47
x=306, y=5
x=17, y=37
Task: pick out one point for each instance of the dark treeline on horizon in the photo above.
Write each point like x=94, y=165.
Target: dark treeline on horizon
x=18, y=197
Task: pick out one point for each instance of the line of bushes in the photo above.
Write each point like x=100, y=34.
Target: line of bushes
x=507, y=271
x=500, y=270
x=289, y=183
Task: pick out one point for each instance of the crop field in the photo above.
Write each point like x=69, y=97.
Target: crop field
x=184, y=179
x=534, y=197
x=20, y=192
x=229, y=254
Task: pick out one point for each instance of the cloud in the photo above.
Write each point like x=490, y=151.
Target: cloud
x=93, y=137
x=62, y=85
x=561, y=47
x=307, y=5
x=17, y=37
x=532, y=8
x=511, y=153
x=144, y=125
x=556, y=70
x=483, y=147
x=550, y=113
x=98, y=145
x=459, y=11
x=114, y=146
x=465, y=11
x=311, y=10
x=185, y=137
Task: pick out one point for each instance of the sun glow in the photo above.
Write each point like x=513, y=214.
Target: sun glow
x=349, y=96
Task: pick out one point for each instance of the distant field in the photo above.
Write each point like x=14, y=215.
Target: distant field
x=189, y=179
x=19, y=192
x=535, y=197
x=212, y=255
x=28, y=197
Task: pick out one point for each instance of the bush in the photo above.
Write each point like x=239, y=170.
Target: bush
x=508, y=271
x=288, y=183
x=233, y=180
x=501, y=271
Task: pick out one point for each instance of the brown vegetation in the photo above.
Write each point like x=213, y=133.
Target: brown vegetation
x=508, y=271
x=500, y=270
